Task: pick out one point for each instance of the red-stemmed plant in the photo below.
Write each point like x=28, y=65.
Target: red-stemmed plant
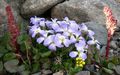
x=12, y=28
x=111, y=23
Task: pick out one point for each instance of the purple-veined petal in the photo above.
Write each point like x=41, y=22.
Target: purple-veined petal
x=73, y=25
x=91, y=42
x=40, y=39
x=83, y=55
x=91, y=33
x=33, y=34
x=72, y=39
x=57, y=42
x=48, y=40
x=66, y=42
x=34, y=20
x=52, y=47
x=49, y=24
x=83, y=27
x=73, y=54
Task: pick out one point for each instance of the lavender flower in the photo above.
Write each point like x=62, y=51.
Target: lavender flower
x=34, y=30
x=57, y=34
x=61, y=39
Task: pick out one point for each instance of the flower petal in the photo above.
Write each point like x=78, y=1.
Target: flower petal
x=66, y=42
x=48, y=40
x=83, y=55
x=52, y=47
x=40, y=40
x=91, y=42
x=73, y=54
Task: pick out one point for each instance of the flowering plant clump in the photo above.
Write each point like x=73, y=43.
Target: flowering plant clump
x=58, y=34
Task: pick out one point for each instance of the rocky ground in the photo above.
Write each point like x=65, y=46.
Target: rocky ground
x=88, y=11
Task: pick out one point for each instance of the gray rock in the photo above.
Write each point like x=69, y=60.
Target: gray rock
x=117, y=69
x=46, y=72
x=86, y=10
x=59, y=73
x=100, y=31
x=113, y=44
x=83, y=73
x=37, y=7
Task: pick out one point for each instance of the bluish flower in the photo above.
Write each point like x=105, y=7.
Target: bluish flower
x=34, y=30
x=43, y=35
x=34, y=20
x=61, y=39
x=93, y=42
x=42, y=22
x=50, y=43
x=81, y=45
x=74, y=54
x=91, y=34
x=83, y=27
x=55, y=25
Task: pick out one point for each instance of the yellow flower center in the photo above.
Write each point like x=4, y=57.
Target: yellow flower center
x=79, y=62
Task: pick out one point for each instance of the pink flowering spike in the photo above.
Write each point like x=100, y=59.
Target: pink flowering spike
x=12, y=28
x=111, y=23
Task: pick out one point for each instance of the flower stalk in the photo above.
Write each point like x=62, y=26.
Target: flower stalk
x=13, y=29
x=111, y=23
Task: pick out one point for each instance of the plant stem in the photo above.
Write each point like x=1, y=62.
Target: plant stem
x=108, y=46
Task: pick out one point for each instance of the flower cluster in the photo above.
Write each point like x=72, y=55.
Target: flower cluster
x=111, y=24
x=12, y=28
x=57, y=34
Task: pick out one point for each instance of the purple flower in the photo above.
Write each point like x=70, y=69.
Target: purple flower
x=50, y=43
x=61, y=39
x=80, y=46
x=42, y=22
x=55, y=26
x=74, y=54
x=34, y=30
x=92, y=42
x=91, y=33
x=34, y=20
x=83, y=27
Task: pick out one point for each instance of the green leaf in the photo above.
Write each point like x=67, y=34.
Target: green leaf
x=35, y=67
x=108, y=70
x=11, y=66
x=21, y=68
x=111, y=65
x=25, y=73
x=9, y=56
x=22, y=38
x=2, y=51
x=1, y=66
x=46, y=54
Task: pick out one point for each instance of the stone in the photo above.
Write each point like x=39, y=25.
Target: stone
x=83, y=73
x=37, y=7
x=113, y=44
x=100, y=31
x=46, y=72
x=117, y=69
x=59, y=73
x=86, y=10
x=117, y=1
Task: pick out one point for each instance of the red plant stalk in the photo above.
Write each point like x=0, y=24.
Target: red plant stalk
x=12, y=28
x=111, y=23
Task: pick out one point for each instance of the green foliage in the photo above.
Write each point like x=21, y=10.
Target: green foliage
x=34, y=57
x=11, y=65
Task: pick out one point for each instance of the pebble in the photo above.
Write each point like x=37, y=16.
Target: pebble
x=113, y=44
x=83, y=73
